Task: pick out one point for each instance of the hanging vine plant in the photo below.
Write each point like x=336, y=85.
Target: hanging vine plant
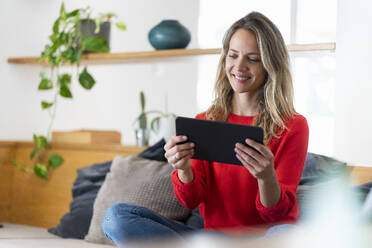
x=68, y=42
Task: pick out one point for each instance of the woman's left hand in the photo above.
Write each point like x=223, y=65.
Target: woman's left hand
x=260, y=163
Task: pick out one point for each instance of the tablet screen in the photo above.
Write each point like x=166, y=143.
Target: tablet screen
x=215, y=141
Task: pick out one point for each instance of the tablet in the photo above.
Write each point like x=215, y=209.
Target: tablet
x=215, y=141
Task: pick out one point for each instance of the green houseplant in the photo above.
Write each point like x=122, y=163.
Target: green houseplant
x=67, y=44
x=143, y=132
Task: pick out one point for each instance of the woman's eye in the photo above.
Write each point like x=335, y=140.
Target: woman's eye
x=233, y=56
x=253, y=59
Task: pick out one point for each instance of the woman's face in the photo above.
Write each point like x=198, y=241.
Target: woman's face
x=244, y=68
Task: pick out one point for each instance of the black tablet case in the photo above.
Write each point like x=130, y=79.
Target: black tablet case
x=214, y=140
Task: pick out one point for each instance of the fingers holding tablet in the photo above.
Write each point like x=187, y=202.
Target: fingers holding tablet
x=173, y=141
x=177, y=152
x=256, y=157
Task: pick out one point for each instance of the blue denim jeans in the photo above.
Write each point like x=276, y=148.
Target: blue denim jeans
x=125, y=222
x=279, y=229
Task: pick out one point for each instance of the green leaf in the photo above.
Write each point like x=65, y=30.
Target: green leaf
x=62, y=11
x=63, y=38
x=73, y=13
x=56, y=26
x=33, y=153
x=64, y=79
x=55, y=160
x=142, y=120
x=52, y=50
x=40, y=141
x=121, y=26
x=143, y=101
x=45, y=84
x=45, y=105
x=77, y=55
x=15, y=163
x=65, y=91
x=57, y=59
x=41, y=171
x=22, y=168
x=53, y=37
x=86, y=80
x=71, y=55
x=49, y=53
x=155, y=123
x=96, y=45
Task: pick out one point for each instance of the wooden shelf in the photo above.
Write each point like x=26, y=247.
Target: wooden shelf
x=146, y=56
x=126, y=57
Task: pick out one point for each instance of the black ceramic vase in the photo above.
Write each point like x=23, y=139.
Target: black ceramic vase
x=169, y=34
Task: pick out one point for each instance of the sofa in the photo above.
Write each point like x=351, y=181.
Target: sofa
x=84, y=178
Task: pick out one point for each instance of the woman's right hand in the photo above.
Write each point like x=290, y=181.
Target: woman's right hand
x=179, y=155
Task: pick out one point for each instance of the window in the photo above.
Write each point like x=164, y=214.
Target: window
x=300, y=22
x=315, y=21
x=314, y=87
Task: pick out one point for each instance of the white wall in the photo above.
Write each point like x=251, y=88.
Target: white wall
x=114, y=101
x=353, y=128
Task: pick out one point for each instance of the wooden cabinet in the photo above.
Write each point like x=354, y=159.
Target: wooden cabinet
x=27, y=199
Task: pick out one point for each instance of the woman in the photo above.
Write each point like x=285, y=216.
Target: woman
x=253, y=87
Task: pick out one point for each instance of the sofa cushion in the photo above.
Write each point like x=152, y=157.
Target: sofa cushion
x=319, y=168
x=155, y=152
x=139, y=181
x=75, y=224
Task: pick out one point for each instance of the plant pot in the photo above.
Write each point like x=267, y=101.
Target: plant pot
x=87, y=28
x=142, y=136
x=169, y=34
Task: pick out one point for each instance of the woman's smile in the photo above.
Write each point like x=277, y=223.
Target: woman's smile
x=244, y=68
x=241, y=78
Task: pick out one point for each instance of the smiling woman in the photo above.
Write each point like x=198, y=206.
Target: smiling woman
x=314, y=72
x=253, y=87
x=244, y=68
x=254, y=49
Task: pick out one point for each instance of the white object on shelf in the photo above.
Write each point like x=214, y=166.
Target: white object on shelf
x=167, y=128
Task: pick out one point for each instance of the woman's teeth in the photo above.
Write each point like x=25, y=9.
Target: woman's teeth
x=241, y=78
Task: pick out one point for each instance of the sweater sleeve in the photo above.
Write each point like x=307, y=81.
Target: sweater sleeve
x=289, y=161
x=190, y=195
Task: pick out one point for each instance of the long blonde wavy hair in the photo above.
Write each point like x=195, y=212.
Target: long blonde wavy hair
x=275, y=102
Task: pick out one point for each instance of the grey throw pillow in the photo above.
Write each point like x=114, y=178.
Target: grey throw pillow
x=319, y=168
x=139, y=181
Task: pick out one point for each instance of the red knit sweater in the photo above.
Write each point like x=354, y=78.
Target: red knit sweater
x=228, y=195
